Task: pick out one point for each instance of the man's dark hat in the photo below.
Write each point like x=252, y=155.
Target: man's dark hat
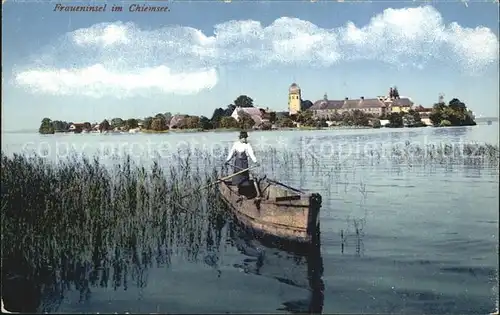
x=243, y=134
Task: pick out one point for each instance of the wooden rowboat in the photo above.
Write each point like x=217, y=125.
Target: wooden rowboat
x=275, y=210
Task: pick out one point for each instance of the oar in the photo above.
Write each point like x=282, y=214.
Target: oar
x=286, y=186
x=218, y=181
x=283, y=185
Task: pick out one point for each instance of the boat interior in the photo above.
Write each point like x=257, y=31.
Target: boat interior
x=249, y=189
x=266, y=189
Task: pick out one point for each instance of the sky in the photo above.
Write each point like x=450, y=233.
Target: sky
x=90, y=66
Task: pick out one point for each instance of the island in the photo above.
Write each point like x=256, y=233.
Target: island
x=391, y=111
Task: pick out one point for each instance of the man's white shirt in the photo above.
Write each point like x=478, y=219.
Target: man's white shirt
x=241, y=147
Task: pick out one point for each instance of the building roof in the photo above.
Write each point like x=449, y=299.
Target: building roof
x=177, y=120
x=294, y=88
x=250, y=110
x=371, y=103
x=358, y=103
x=420, y=108
x=351, y=104
x=404, y=101
x=327, y=104
x=254, y=112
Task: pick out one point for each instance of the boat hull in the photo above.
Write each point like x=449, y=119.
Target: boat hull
x=279, y=213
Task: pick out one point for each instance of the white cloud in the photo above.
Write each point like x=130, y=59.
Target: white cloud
x=122, y=59
x=97, y=81
x=105, y=35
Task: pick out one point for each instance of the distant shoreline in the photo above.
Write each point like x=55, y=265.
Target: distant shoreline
x=478, y=120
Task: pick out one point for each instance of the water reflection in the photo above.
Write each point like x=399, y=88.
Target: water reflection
x=298, y=266
x=128, y=270
x=454, y=133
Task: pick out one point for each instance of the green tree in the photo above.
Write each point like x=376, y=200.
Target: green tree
x=46, y=127
x=229, y=110
x=408, y=120
x=335, y=116
x=163, y=119
x=305, y=118
x=265, y=125
x=87, y=125
x=228, y=122
x=455, y=113
x=321, y=123
x=131, y=123
x=456, y=104
x=376, y=123
x=347, y=118
x=436, y=116
x=158, y=124
x=445, y=123
x=272, y=117
x=117, y=123
x=205, y=123
x=60, y=126
x=104, y=125
x=412, y=119
x=243, y=101
x=395, y=120
x=160, y=115
x=305, y=105
x=416, y=115
x=285, y=122
x=191, y=122
x=168, y=116
x=359, y=118
x=146, y=124
x=216, y=117
x=245, y=121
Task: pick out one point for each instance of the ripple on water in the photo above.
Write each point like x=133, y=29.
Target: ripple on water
x=427, y=243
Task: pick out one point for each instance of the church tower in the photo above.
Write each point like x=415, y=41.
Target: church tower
x=294, y=99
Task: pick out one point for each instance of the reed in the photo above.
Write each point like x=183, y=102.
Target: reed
x=86, y=221
x=84, y=213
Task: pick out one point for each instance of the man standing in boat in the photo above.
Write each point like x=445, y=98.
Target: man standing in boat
x=241, y=151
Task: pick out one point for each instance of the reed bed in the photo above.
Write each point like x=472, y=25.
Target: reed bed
x=86, y=222
x=81, y=215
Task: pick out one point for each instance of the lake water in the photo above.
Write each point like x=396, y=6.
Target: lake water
x=399, y=234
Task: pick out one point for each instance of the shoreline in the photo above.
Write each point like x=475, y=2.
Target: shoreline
x=222, y=130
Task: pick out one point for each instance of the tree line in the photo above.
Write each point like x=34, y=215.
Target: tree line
x=453, y=114
x=221, y=118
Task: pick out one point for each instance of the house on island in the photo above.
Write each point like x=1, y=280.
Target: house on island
x=282, y=114
x=325, y=108
x=177, y=121
x=257, y=114
x=378, y=106
x=399, y=105
x=78, y=127
x=424, y=113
